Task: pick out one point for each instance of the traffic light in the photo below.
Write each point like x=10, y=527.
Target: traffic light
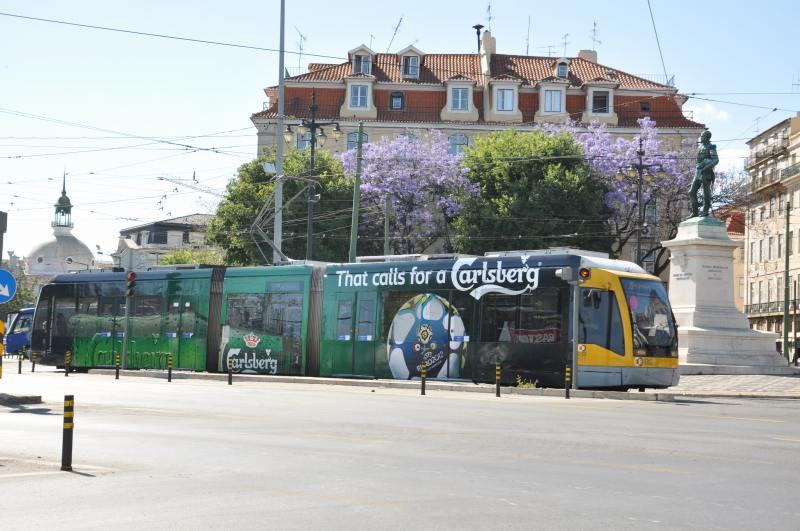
x=131, y=286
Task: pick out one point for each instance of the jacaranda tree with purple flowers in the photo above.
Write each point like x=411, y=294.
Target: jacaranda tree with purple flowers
x=424, y=183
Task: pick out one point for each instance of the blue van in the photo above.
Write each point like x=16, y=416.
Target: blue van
x=18, y=331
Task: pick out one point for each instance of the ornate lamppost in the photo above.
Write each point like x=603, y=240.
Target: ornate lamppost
x=642, y=172
x=317, y=135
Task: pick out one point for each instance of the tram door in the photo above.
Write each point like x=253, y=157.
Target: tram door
x=356, y=338
x=179, y=330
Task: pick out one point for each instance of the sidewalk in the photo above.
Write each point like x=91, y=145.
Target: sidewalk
x=745, y=386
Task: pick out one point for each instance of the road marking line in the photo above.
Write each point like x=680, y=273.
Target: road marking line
x=726, y=417
x=786, y=439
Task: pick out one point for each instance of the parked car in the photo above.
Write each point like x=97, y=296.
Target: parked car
x=18, y=332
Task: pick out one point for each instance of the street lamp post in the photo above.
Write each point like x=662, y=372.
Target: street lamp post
x=312, y=126
x=641, y=171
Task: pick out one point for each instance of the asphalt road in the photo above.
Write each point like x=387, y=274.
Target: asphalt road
x=204, y=455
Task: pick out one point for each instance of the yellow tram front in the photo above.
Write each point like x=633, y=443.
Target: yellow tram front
x=627, y=336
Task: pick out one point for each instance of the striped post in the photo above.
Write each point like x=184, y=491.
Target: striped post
x=169, y=367
x=497, y=379
x=69, y=425
x=567, y=380
x=33, y=361
x=424, y=377
x=21, y=357
x=117, y=361
x=230, y=370
x=67, y=362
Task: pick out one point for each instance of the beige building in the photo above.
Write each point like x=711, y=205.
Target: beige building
x=774, y=178
x=142, y=246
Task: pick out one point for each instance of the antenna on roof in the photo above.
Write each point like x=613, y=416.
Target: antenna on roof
x=371, y=38
x=396, y=29
x=299, y=48
x=489, y=17
x=595, y=40
x=549, y=49
x=528, y=38
x=564, y=43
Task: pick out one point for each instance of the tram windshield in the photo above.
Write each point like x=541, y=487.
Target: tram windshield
x=653, y=325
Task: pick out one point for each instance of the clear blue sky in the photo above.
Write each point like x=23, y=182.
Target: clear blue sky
x=172, y=90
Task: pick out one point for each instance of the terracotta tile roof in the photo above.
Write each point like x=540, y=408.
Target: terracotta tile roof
x=436, y=68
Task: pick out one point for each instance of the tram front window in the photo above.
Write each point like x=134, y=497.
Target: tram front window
x=651, y=316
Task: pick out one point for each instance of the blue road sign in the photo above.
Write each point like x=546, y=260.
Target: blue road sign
x=8, y=286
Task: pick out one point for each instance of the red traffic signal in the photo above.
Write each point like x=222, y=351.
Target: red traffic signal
x=131, y=286
x=131, y=276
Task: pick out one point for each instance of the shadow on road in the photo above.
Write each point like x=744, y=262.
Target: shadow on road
x=20, y=408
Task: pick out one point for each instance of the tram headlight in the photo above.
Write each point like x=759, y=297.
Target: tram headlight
x=584, y=274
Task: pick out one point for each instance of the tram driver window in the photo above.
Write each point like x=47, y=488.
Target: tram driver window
x=599, y=320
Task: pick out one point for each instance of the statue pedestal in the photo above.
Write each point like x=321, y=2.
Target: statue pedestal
x=713, y=336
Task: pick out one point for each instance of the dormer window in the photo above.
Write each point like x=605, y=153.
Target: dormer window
x=563, y=70
x=362, y=64
x=411, y=66
x=396, y=101
x=505, y=99
x=358, y=96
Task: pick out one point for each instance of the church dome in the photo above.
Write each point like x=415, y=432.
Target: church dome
x=62, y=253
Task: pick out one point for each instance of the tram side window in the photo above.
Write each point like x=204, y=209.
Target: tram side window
x=283, y=314
x=344, y=320
x=41, y=318
x=365, y=328
x=245, y=311
x=530, y=318
x=599, y=320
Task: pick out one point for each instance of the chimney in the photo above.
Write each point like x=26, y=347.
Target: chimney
x=488, y=49
x=588, y=55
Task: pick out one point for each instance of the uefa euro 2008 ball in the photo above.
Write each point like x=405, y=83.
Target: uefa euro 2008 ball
x=420, y=334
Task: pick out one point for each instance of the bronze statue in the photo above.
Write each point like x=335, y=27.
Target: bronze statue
x=704, y=174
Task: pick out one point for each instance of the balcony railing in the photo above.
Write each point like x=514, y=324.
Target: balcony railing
x=758, y=155
x=769, y=307
x=666, y=118
x=794, y=169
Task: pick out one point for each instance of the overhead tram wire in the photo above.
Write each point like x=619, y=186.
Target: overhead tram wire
x=322, y=56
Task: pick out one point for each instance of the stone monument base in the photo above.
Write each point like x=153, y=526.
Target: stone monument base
x=713, y=336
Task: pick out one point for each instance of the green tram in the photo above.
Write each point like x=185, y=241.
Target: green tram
x=381, y=317
x=258, y=316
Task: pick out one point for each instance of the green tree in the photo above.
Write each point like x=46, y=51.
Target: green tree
x=252, y=187
x=534, y=191
x=192, y=256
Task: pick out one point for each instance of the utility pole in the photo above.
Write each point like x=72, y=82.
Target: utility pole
x=356, y=196
x=786, y=285
x=278, y=222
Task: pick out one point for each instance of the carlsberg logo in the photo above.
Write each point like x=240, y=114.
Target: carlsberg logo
x=253, y=361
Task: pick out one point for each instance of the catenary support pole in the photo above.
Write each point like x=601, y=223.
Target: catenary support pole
x=576, y=297
x=786, y=285
x=356, y=197
x=277, y=237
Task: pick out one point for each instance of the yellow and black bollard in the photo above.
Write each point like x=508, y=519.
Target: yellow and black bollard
x=21, y=357
x=497, y=379
x=69, y=424
x=116, y=366
x=169, y=367
x=424, y=377
x=230, y=370
x=567, y=380
x=33, y=360
x=67, y=362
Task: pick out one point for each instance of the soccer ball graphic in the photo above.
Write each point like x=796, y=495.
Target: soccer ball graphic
x=420, y=334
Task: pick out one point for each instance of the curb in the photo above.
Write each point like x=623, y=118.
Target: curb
x=397, y=384
x=13, y=400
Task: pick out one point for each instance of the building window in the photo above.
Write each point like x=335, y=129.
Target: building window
x=459, y=99
x=770, y=243
x=771, y=207
x=358, y=96
x=650, y=214
x=396, y=101
x=304, y=141
x=752, y=252
x=760, y=250
x=789, y=243
x=770, y=289
x=752, y=217
x=158, y=237
x=761, y=214
x=352, y=139
x=410, y=66
x=600, y=101
x=760, y=291
x=361, y=64
x=752, y=293
x=552, y=101
x=186, y=236
x=644, y=106
x=780, y=245
x=781, y=199
x=457, y=143
x=505, y=99
x=563, y=70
